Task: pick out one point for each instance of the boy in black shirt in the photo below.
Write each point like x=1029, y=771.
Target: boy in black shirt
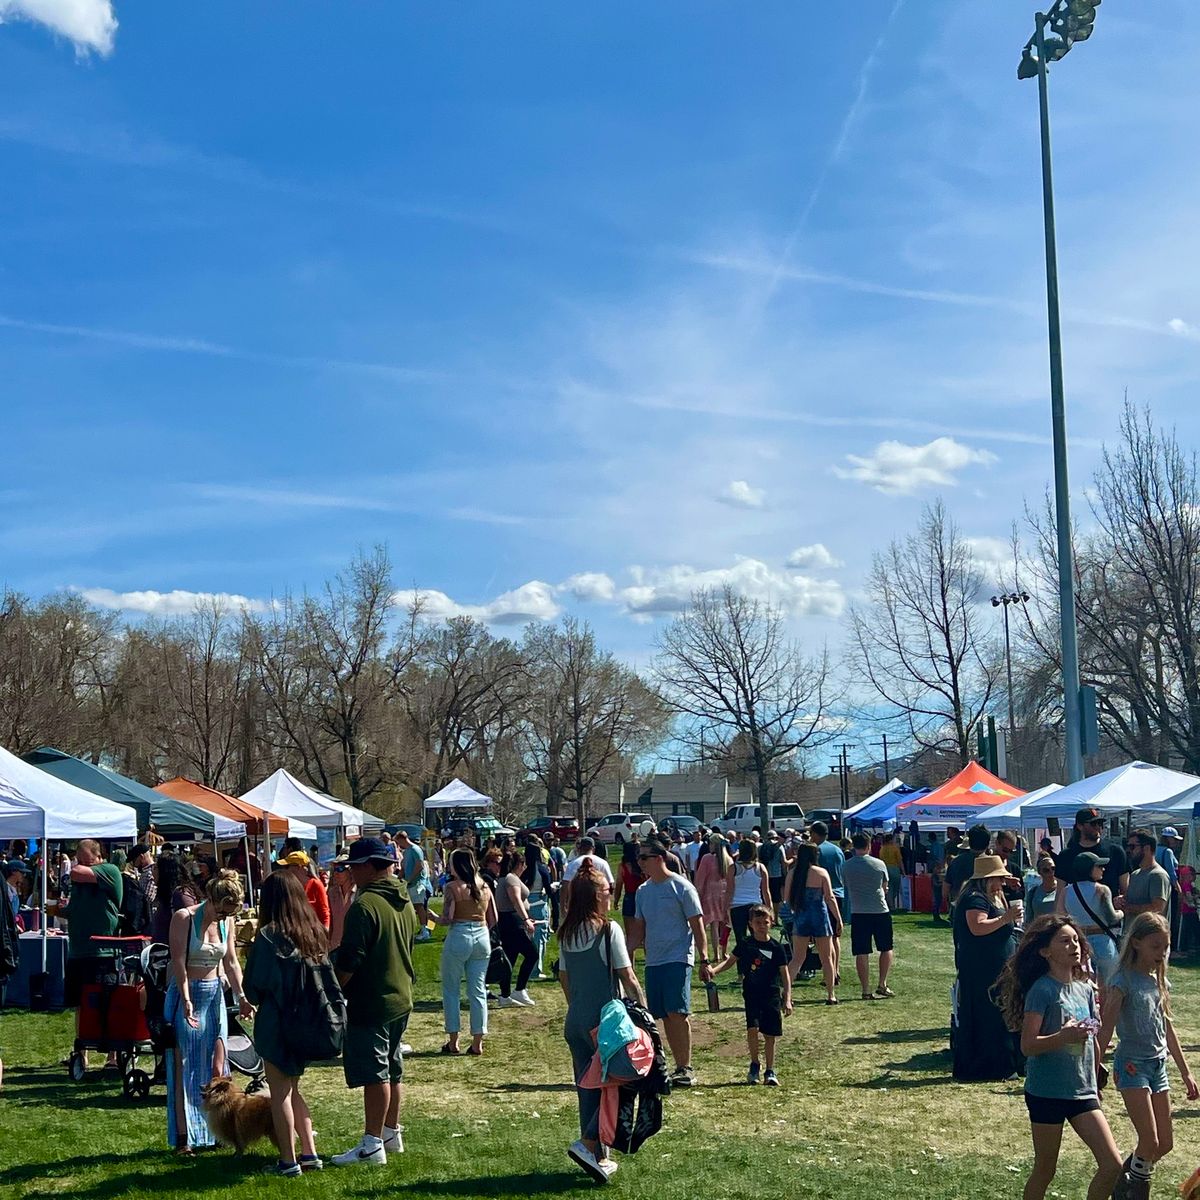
x=766, y=989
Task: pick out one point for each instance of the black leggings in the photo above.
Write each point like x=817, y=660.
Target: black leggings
x=516, y=941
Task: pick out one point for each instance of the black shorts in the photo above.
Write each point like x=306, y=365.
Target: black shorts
x=764, y=1015
x=629, y=905
x=79, y=973
x=866, y=928
x=1045, y=1110
x=776, y=888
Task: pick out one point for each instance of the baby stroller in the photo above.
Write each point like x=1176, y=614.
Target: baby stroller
x=112, y=1018
x=240, y=1052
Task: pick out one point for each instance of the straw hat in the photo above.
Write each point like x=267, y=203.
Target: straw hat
x=989, y=866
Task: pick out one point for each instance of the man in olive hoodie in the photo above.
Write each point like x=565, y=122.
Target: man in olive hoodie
x=374, y=967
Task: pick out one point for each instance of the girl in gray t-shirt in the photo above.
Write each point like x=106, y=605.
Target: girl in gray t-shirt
x=1137, y=1007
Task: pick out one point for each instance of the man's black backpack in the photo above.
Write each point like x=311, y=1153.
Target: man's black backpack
x=313, y=1009
x=135, y=908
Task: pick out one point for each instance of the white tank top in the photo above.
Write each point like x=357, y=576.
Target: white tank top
x=747, y=886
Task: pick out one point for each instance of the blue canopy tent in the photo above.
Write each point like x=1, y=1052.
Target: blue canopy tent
x=882, y=812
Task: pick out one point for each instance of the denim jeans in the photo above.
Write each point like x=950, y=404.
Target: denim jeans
x=466, y=950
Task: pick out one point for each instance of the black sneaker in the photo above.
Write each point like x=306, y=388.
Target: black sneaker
x=683, y=1077
x=752, y=1076
x=770, y=1079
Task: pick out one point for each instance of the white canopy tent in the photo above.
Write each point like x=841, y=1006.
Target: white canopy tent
x=1010, y=810
x=1135, y=786
x=1185, y=807
x=34, y=804
x=887, y=789
x=283, y=795
x=457, y=794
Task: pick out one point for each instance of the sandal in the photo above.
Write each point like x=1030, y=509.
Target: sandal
x=475, y=1053
x=832, y=1000
x=870, y=996
x=448, y=1049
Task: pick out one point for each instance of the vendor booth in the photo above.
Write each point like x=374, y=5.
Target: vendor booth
x=1121, y=792
x=456, y=794
x=34, y=804
x=283, y=795
x=175, y=819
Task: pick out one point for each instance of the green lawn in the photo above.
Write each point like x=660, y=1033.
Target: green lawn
x=866, y=1107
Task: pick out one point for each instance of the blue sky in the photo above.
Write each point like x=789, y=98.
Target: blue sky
x=575, y=306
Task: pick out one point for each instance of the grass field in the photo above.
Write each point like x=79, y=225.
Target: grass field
x=867, y=1106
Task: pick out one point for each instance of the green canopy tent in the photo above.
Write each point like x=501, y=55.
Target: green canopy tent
x=174, y=819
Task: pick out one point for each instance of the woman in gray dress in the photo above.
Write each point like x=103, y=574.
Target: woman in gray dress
x=586, y=937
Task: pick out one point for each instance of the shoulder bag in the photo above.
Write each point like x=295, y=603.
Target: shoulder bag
x=1095, y=919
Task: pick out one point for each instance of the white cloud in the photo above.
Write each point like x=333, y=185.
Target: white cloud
x=898, y=469
x=89, y=24
x=168, y=604
x=1181, y=327
x=532, y=601
x=590, y=587
x=668, y=590
x=812, y=558
x=741, y=495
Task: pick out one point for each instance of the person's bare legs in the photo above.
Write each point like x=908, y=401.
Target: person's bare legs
x=1047, y=1140
x=836, y=949
x=825, y=952
x=679, y=1037
x=752, y=1044
x=392, y=1117
x=1155, y=1136
x=302, y=1119
x=862, y=964
x=886, y=959
x=282, y=1112
x=377, y=1104
x=1095, y=1134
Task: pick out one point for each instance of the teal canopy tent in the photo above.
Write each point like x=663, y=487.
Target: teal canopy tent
x=174, y=819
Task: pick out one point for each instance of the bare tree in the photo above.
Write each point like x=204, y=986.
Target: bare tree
x=740, y=685
x=586, y=710
x=1137, y=595
x=919, y=640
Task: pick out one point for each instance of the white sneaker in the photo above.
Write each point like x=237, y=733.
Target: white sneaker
x=394, y=1143
x=405, y=1048
x=507, y=1002
x=359, y=1154
x=523, y=998
x=608, y=1166
x=580, y=1154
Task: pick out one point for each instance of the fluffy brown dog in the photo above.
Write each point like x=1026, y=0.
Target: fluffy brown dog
x=234, y=1118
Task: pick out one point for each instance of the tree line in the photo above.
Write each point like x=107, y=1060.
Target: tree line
x=371, y=701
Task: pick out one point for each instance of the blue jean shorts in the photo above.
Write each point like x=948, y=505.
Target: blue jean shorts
x=669, y=989
x=1133, y=1073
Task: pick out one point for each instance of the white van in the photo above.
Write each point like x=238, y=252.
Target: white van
x=745, y=818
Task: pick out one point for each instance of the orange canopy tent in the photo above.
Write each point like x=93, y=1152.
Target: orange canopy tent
x=971, y=791
x=213, y=801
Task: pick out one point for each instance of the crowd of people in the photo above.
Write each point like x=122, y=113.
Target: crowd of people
x=1052, y=964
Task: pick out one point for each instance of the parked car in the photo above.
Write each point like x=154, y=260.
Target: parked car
x=561, y=826
x=744, y=818
x=832, y=818
x=481, y=827
x=618, y=828
x=680, y=823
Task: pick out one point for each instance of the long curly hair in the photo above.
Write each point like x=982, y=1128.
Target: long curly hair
x=1028, y=965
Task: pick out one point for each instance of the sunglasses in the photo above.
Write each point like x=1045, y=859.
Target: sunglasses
x=644, y=857
x=341, y=869
x=1098, y=821
x=1134, y=846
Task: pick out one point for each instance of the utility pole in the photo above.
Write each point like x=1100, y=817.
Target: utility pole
x=887, y=769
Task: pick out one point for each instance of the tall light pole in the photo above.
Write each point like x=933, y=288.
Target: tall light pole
x=1004, y=600
x=1068, y=21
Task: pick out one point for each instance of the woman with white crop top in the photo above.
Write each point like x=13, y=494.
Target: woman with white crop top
x=202, y=942
x=748, y=885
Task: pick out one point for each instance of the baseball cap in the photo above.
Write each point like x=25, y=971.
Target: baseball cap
x=16, y=865
x=297, y=858
x=1170, y=832
x=370, y=850
x=1089, y=860
x=1085, y=816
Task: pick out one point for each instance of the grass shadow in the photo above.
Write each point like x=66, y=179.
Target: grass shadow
x=532, y=1087
x=528, y=1184
x=28, y=1172
x=931, y=1061
x=892, y=1084
x=890, y=1036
